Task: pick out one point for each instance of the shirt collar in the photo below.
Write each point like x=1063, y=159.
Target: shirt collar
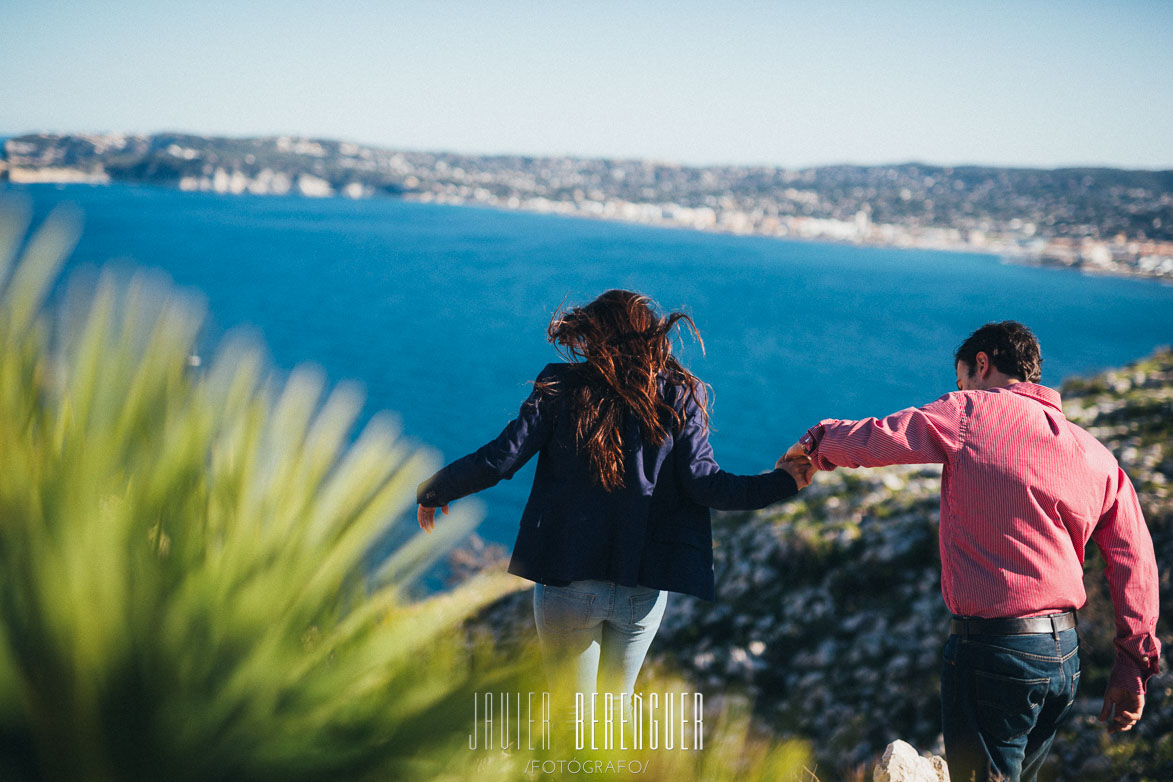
x=1048, y=396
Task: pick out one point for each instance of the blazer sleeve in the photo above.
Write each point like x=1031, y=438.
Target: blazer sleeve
x=705, y=483
x=496, y=460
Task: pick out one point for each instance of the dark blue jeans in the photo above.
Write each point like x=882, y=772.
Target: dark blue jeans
x=1002, y=697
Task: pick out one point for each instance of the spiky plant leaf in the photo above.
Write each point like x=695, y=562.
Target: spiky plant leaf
x=183, y=587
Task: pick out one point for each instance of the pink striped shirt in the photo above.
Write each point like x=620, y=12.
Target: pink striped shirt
x=1023, y=489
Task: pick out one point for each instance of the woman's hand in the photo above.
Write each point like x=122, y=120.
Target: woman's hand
x=800, y=467
x=427, y=517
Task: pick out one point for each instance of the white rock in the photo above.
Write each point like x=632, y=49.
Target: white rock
x=901, y=763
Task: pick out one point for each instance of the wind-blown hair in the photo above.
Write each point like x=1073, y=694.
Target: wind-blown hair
x=621, y=346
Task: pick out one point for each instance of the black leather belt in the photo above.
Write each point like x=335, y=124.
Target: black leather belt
x=1051, y=623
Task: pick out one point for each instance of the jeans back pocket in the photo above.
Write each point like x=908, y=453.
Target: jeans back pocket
x=1007, y=707
x=565, y=609
x=644, y=608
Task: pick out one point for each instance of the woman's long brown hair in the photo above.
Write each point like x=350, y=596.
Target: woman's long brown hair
x=621, y=346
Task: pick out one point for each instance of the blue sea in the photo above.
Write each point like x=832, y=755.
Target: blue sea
x=440, y=311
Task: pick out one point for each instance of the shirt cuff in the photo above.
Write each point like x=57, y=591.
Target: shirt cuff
x=1129, y=675
x=811, y=441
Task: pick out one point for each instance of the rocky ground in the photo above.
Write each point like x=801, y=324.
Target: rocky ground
x=829, y=614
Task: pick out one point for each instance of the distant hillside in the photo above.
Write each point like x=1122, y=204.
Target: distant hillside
x=1096, y=219
x=830, y=616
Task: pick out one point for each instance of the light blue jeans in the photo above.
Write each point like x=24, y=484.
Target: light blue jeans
x=594, y=637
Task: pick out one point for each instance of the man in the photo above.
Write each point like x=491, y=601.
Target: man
x=1023, y=489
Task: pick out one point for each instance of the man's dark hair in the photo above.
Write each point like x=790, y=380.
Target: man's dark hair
x=1011, y=346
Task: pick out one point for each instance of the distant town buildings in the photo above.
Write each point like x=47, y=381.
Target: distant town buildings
x=1096, y=220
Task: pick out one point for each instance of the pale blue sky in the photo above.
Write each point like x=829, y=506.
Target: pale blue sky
x=783, y=83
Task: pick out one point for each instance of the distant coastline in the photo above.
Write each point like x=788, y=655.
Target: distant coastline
x=1098, y=221
x=1122, y=262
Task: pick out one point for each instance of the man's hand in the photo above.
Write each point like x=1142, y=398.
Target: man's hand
x=427, y=517
x=1121, y=709
x=796, y=451
x=800, y=468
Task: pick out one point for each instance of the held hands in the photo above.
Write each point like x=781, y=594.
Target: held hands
x=427, y=517
x=797, y=452
x=799, y=466
x=1122, y=709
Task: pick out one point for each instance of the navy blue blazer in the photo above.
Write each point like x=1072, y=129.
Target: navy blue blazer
x=653, y=532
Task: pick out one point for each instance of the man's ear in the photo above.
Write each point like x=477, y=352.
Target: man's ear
x=982, y=365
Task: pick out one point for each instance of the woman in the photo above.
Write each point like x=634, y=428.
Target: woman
x=619, y=510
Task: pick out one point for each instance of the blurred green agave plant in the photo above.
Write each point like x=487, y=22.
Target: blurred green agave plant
x=182, y=589
x=183, y=586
